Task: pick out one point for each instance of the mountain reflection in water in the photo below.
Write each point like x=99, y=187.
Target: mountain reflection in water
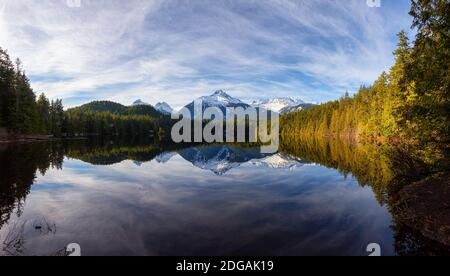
x=140, y=198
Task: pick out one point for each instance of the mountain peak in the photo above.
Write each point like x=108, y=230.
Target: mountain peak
x=164, y=108
x=220, y=93
x=139, y=102
x=278, y=104
x=221, y=98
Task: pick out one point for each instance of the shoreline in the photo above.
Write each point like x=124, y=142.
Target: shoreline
x=23, y=139
x=424, y=206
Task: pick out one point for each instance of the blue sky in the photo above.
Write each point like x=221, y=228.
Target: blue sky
x=177, y=50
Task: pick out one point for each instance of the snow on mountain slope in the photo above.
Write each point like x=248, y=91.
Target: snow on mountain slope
x=165, y=157
x=164, y=108
x=277, y=104
x=139, y=102
x=278, y=161
x=221, y=98
x=296, y=108
x=280, y=105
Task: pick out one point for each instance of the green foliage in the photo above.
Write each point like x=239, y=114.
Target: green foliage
x=57, y=118
x=43, y=109
x=18, y=108
x=106, y=118
x=80, y=123
x=115, y=108
x=8, y=95
x=426, y=110
x=144, y=110
x=21, y=113
x=409, y=104
x=102, y=106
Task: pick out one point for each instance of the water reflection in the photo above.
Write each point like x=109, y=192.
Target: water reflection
x=223, y=158
x=141, y=198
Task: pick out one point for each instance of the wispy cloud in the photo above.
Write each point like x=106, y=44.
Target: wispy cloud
x=175, y=50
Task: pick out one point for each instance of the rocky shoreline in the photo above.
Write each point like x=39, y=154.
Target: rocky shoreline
x=425, y=207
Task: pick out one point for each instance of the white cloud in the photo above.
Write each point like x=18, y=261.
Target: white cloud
x=176, y=50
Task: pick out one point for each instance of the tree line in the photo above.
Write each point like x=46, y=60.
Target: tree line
x=20, y=111
x=105, y=118
x=80, y=123
x=410, y=103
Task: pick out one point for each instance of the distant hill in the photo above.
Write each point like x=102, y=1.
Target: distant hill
x=144, y=110
x=116, y=108
x=102, y=106
x=139, y=102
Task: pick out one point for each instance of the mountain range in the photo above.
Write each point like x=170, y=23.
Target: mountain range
x=223, y=100
x=112, y=107
x=162, y=107
x=220, y=99
x=221, y=159
x=277, y=104
x=282, y=105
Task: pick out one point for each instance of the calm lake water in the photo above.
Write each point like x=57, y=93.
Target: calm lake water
x=147, y=199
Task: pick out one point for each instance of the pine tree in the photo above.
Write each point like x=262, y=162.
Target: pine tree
x=43, y=107
x=7, y=93
x=26, y=116
x=429, y=73
x=56, y=117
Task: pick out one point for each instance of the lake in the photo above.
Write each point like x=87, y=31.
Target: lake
x=142, y=198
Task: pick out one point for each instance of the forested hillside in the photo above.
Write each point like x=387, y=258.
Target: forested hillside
x=109, y=118
x=22, y=114
x=410, y=103
x=118, y=109
x=20, y=111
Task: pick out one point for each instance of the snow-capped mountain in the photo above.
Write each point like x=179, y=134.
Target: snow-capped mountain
x=220, y=159
x=279, y=161
x=300, y=107
x=139, y=102
x=219, y=99
x=223, y=100
x=165, y=157
x=279, y=105
x=164, y=108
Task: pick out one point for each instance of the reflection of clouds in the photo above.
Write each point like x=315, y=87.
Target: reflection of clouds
x=177, y=209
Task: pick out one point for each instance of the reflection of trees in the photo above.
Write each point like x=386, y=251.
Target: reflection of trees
x=15, y=240
x=108, y=152
x=370, y=164
x=385, y=169
x=18, y=167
